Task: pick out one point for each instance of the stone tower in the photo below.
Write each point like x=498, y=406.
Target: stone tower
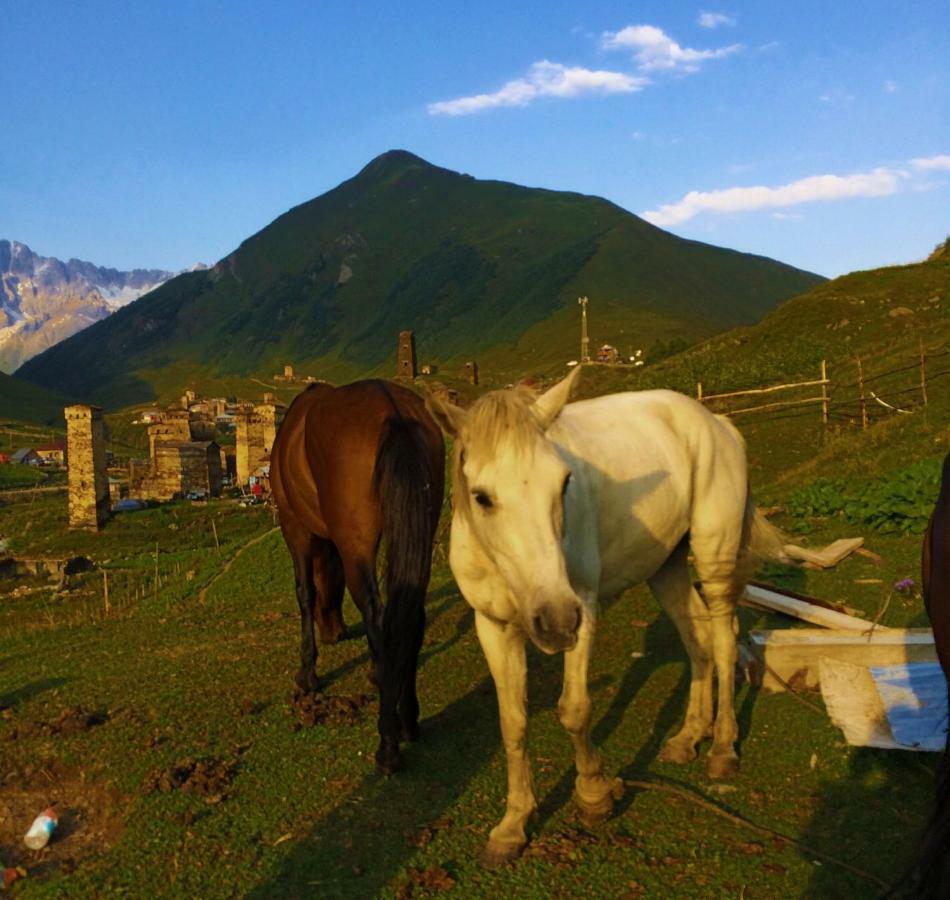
x=88, y=483
x=471, y=372
x=407, y=355
x=271, y=414
x=249, y=441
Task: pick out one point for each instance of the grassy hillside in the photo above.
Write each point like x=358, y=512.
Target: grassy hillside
x=882, y=316
x=21, y=401
x=476, y=268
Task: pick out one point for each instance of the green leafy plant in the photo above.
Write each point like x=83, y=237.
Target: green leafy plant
x=899, y=503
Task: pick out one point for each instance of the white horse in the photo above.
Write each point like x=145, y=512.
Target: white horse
x=556, y=506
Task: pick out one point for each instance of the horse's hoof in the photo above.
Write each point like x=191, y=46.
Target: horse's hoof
x=307, y=682
x=722, y=765
x=497, y=854
x=593, y=812
x=389, y=759
x=333, y=636
x=678, y=752
x=409, y=733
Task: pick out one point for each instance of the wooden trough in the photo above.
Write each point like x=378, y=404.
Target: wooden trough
x=793, y=655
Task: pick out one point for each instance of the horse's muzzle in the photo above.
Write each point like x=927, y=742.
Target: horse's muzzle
x=553, y=628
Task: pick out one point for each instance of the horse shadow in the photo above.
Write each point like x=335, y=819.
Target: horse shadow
x=874, y=819
x=27, y=692
x=357, y=848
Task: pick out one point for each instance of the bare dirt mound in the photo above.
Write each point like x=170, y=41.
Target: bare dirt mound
x=328, y=709
x=90, y=817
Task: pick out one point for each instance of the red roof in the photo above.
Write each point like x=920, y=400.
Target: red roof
x=58, y=445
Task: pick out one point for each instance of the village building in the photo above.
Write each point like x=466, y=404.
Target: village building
x=88, y=484
x=256, y=432
x=406, y=362
x=183, y=457
x=52, y=454
x=608, y=354
x=25, y=456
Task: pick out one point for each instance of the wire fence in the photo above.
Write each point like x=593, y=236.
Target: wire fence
x=857, y=402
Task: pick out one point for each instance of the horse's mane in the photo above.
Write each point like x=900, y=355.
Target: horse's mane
x=500, y=415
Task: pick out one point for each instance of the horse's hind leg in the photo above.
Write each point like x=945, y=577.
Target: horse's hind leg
x=674, y=591
x=716, y=563
x=300, y=544
x=328, y=578
x=361, y=580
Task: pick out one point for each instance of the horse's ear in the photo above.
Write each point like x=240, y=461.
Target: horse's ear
x=449, y=417
x=549, y=405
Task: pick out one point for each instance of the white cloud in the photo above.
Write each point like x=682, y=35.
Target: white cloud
x=544, y=79
x=877, y=183
x=714, y=20
x=932, y=163
x=654, y=50
x=838, y=95
x=783, y=217
x=890, y=87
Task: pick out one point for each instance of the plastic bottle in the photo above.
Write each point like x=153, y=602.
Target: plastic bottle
x=43, y=826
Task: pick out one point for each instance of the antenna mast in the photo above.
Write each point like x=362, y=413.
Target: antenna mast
x=585, y=341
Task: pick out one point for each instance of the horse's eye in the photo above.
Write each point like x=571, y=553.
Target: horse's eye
x=483, y=500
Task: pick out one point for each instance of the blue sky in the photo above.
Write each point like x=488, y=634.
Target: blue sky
x=161, y=134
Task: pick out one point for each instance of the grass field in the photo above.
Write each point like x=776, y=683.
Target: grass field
x=163, y=726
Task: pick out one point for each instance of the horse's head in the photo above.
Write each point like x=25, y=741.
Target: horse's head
x=511, y=485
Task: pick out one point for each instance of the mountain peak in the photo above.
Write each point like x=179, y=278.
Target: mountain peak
x=394, y=162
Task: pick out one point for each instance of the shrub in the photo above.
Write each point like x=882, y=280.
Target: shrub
x=899, y=503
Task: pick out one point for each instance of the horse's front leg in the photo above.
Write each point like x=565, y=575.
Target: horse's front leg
x=503, y=646
x=594, y=793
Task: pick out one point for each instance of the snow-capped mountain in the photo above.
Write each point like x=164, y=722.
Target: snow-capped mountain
x=44, y=300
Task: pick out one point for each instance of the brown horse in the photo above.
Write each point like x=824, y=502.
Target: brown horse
x=353, y=467
x=935, y=859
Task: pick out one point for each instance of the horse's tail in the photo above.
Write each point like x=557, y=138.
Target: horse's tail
x=403, y=479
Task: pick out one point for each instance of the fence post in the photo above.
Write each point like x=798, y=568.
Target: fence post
x=923, y=373
x=864, y=404
x=824, y=393
x=699, y=391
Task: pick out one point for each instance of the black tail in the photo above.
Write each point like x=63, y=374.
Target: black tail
x=403, y=480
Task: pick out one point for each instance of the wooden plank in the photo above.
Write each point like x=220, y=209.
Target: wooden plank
x=817, y=601
x=793, y=654
x=854, y=704
x=826, y=557
x=807, y=612
x=779, y=405
x=766, y=390
x=875, y=558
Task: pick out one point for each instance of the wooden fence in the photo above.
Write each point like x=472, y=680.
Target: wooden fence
x=856, y=402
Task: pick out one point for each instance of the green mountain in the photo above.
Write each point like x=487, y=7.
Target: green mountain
x=478, y=269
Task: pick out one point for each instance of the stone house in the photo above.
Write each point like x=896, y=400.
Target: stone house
x=53, y=454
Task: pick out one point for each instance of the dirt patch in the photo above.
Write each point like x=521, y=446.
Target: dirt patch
x=431, y=880
x=72, y=720
x=566, y=848
x=90, y=818
x=209, y=778
x=424, y=835
x=328, y=709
